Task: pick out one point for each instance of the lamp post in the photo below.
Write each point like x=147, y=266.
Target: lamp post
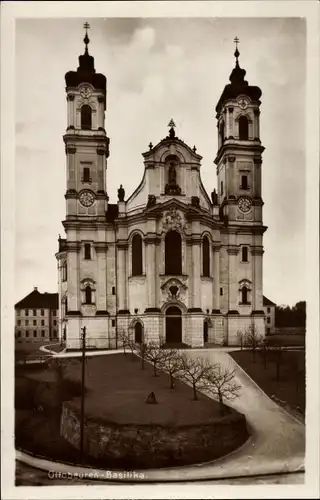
x=83, y=338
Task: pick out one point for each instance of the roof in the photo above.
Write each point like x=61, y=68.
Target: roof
x=267, y=302
x=37, y=300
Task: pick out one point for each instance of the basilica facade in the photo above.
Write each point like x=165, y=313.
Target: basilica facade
x=169, y=263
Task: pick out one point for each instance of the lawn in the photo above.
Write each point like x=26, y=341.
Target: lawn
x=286, y=340
x=290, y=388
x=117, y=389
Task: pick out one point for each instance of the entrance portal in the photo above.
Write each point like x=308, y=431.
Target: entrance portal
x=173, y=325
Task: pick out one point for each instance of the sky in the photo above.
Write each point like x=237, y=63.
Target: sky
x=158, y=69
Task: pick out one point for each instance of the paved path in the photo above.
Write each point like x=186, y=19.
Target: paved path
x=276, y=443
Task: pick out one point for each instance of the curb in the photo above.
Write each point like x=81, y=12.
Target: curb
x=106, y=475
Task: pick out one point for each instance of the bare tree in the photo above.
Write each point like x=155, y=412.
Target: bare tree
x=125, y=340
x=253, y=339
x=194, y=371
x=240, y=337
x=141, y=350
x=154, y=353
x=221, y=383
x=171, y=363
x=132, y=346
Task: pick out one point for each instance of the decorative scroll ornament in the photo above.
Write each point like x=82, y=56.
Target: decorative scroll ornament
x=173, y=219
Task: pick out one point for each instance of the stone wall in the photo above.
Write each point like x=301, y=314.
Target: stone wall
x=150, y=446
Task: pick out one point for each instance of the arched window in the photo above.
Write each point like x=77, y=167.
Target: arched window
x=244, y=295
x=86, y=117
x=243, y=128
x=173, y=258
x=136, y=255
x=138, y=333
x=205, y=257
x=221, y=132
x=244, y=254
x=88, y=292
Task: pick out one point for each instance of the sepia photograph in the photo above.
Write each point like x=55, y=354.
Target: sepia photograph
x=160, y=312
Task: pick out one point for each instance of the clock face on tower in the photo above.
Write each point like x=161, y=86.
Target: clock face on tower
x=85, y=91
x=243, y=103
x=86, y=198
x=244, y=204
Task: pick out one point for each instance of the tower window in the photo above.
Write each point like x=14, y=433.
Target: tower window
x=87, y=251
x=244, y=295
x=221, y=188
x=136, y=255
x=173, y=260
x=221, y=132
x=243, y=128
x=42, y=322
x=64, y=272
x=19, y=322
x=27, y=322
x=88, y=293
x=244, y=254
x=86, y=117
x=86, y=175
x=42, y=333
x=205, y=257
x=221, y=291
x=113, y=290
x=244, y=182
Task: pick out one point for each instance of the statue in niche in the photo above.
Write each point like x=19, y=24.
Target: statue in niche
x=121, y=193
x=172, y=186
x=195, y=202
x=214, y=197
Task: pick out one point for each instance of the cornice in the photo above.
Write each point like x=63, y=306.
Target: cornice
x=233, y=250
x=152, y=240
x=235, y=147
x=100, y=247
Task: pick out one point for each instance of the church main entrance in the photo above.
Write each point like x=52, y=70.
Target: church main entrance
x=173, y=325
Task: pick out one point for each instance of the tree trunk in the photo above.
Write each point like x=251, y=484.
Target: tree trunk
x=221, y=404
x=241, y=344
x=254, y=354
x=171, y=381
x=155, y=368
x=195, y=395
x=142, y=362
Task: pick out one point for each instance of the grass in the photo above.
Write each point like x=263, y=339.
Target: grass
x=286, y=340
x=290, y=388
x=117, y=389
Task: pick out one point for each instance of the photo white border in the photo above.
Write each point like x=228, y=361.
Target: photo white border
x=89, y=9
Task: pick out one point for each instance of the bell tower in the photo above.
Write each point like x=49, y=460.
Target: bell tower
x=238, y=163
x=86, y=142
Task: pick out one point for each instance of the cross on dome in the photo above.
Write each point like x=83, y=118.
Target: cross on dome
x=86, y=38
x=171, y=124
x=237, y=53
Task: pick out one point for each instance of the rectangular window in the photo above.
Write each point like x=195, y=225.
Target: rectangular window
x=113, y=322
x=19, y=322
x=18, y=312
x=42, y=322
x=34, y=322
x=221, y=291
x=268, y=309
x=54, y=313
x=86, y=175
x=42, y=333
x=27, y=322
x=221, y=188
x=54, y=322
x=87, y=251
x=19, y=333
x=27, y=333
x=244, y=182
x=113, y=290
x=34, y=312
x=244, y=254
x=268, y=320
x=34, y=333
x=42, y=312
x=26, y=312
